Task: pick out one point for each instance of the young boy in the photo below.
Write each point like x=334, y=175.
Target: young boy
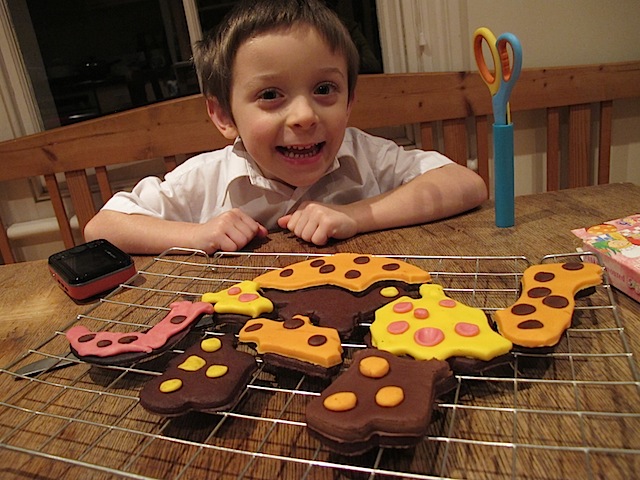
x=279, y=79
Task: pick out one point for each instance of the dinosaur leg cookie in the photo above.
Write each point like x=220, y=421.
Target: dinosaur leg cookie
x=118, y=348
x=380, y=400
x=207, y=377
x=544, y=309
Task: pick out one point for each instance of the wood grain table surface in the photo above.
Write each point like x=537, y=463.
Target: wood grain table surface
x=577, y=414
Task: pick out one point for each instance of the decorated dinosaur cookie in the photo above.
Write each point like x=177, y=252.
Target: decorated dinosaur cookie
x=237, y=304
x=341, y=290
x=435, y=326
x=380, y=400
x=295, y=344
x=544, y=309
x=114, y=348
x=207, y=377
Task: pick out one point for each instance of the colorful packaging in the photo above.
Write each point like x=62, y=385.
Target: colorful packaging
x=618, y=243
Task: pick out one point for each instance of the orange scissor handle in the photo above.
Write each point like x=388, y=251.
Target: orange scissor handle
x=491, y=78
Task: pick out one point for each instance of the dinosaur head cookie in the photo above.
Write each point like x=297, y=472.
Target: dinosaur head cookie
x=544, y=309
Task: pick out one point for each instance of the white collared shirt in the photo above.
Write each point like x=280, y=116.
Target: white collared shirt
x=211, y=183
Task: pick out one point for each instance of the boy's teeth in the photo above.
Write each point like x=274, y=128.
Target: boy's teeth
x=300, y=151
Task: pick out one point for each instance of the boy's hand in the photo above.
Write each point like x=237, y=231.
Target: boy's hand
x=317, y=222
x=229, y=232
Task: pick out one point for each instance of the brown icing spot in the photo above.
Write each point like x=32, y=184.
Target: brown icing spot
x=573, y=266
x=556, y=301
x=538, y=292
x=178, y=319
x=287, y=272
x=389, y=267
x=317, y=263
x=103, y=343
x=253, y=327
x=523, y=309
x=128, y=339
x=317, y=340
x=292, y=323
x=327, y=268
x=87, y=338
x=544, y=277
x=530, y=324
x=361, y=260
x=352, y=274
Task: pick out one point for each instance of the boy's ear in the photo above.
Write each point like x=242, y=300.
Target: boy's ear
x=221, y=120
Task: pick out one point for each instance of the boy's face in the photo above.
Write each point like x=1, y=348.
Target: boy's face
x=290, y=105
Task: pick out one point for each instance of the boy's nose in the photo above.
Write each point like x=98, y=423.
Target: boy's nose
x=301, y=113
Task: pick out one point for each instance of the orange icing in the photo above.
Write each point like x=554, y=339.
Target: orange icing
x=241, y=299
x=435, y=326
x=295, y=338
x=352, y=271
x=544, y=309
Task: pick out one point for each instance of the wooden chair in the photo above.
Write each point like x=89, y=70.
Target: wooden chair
x=452, y=106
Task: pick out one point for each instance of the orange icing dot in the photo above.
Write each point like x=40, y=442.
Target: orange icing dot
x=467, y=329
x=234, y=291
x=429, y=336
x=374, y=367
x=248, y=297
x=341, y=401
x=390, y=396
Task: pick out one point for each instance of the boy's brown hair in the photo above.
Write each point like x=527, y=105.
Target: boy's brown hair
x=215, y=54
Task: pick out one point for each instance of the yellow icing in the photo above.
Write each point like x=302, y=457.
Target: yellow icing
x=389, y=292
x=305, y=274
x=211, y=345
x=224, y=302
x=341, y=401
x=215, y=371
x=443, y=315
x=292, y=343
x=390, y=396
x=374, y=367
x=554, y=320
x=192, y=364
x=172, y=385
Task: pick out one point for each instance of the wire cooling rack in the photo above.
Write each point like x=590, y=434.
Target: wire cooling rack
x=572, y=412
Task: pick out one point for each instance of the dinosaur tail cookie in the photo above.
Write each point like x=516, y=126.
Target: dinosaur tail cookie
x=545, y=307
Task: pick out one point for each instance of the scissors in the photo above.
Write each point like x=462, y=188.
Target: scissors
x=502, y=80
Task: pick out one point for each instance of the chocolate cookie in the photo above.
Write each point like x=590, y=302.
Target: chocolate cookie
x=380, y=401
x=207, y=377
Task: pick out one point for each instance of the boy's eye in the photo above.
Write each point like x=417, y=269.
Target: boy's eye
x=268, y=95
x=325, y=89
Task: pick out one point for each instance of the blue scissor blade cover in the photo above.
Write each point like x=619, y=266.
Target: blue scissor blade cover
x=504, y=175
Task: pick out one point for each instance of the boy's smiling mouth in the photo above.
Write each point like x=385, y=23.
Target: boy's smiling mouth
x=300, y=152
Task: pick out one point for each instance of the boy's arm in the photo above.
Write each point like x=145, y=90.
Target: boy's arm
x=438, y=193
x=141, y=234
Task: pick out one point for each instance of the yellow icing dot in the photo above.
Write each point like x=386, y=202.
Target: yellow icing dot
x=390, y=396
x=172, y=385
x=374, y=367
x=192, y=364
x=210, y=345
x=389, y=292
x=340, y=401
x=215, y=371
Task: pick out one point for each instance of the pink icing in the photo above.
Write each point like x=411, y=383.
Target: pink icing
x=428, y=336
x=421, y=313
x=402, y=307
x=234, y=291
x=465, y=329
x=153, y=339
x=247, y=297
x=447, y=303
x=397, y=328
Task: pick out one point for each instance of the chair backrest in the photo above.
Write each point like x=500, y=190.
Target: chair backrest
x=452, y=106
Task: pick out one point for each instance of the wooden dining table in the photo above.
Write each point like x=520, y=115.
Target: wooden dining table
x=568, y=412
